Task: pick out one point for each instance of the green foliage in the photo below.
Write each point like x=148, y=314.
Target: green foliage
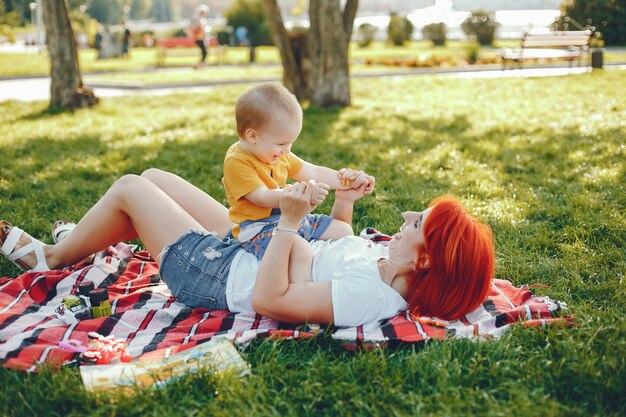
x=162, y=10
x=8, y=20
x=399, y=30
x=138, y=9
x=546, y=171
x=250, y=14
x=436, y=32
x=366, y=32
x=607, y=17
x=481, y=26
x=106, y=11
x=472, y=52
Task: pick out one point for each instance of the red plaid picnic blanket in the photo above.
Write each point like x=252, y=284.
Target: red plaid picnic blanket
x=154, y=324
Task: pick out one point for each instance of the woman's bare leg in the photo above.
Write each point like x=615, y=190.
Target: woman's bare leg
x=207, y=211
x=132, y=207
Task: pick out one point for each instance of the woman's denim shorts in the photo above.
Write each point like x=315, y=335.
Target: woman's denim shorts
x=196, y=266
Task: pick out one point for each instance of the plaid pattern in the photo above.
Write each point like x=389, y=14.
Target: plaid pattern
x=147, y=316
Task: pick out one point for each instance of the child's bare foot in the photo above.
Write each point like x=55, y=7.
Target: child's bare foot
x=23, y=250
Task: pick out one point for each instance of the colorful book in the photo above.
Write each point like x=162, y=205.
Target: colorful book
x=218, y=354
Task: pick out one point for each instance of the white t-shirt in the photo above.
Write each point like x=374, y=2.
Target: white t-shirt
x=359, y=295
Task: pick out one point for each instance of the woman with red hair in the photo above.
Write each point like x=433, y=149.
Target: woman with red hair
x=440, y=264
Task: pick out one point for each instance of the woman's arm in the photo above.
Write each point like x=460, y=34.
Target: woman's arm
x=274, y=296
x=344, y=203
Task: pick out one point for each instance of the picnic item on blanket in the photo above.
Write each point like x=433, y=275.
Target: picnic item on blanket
x=99, y=302
x=100, y=350
x=155, y=325
x=217, y=354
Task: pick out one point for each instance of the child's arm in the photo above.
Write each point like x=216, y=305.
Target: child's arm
x=264, y=197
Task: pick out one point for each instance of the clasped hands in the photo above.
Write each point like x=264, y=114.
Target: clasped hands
x=299, y=199
x=351, y=179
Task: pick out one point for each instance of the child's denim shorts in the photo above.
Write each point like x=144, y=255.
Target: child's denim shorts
x=311, y=228
x=196, y=266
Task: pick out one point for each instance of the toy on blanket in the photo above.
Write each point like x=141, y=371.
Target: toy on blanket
x=89, y=302
x=100, y=350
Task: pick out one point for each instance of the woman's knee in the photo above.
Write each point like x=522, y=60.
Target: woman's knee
x=129, y=183
x=153, y=174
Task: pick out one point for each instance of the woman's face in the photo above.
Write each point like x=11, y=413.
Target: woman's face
x=411, y=235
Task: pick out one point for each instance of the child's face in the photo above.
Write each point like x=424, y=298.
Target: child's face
x=274, y=139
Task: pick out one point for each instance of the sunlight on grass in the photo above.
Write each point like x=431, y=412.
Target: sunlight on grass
x=542, y=161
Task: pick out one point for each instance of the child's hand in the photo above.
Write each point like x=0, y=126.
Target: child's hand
x=320, y=191
x=352, y=179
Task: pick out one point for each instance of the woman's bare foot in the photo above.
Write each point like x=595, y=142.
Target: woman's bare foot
x=23, y=250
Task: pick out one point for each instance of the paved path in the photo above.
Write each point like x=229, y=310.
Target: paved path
x=31, y=89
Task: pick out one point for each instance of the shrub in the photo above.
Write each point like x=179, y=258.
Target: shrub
x=480, y=26
x=471, y=52
x=606, y=16
x=250, y=14
x=436, y=33
x=399, y=30
x=366, y=32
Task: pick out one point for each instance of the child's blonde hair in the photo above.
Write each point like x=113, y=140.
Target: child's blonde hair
x=257, y=105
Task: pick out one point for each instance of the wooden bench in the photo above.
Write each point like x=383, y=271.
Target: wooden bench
x=183, y=46
x=568, y=45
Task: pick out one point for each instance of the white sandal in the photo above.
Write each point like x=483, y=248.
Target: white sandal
x=8, y=249
x=60, y=232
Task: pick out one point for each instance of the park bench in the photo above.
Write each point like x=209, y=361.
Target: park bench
x=568, y=45
x=183, y=46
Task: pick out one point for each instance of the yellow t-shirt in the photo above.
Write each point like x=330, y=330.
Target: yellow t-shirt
x=244, y=173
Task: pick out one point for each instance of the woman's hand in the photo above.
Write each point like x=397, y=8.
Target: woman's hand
x=351, y=195
x=355, y=179
x=295, y=203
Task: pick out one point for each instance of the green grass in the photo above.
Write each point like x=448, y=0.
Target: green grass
x=542, y=160
x=20, y=64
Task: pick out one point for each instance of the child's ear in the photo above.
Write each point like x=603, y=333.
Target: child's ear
x=250, y=135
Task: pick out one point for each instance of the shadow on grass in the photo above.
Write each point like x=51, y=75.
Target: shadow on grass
x=47, y=112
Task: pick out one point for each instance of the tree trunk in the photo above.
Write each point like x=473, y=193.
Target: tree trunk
x=329, y=38
x=315, y=65
x=66, y=87
x=295, y=76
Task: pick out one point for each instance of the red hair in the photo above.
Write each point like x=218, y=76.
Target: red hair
x=455, y=266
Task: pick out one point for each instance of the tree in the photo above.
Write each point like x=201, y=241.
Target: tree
x=436, y=33
x=607, y=17
x=105, y=11
x=66, y=88
x=315, y=63
x=138, y=9
x=162, y=10
x=400, y=29
x=481, y=26
x=250, y=15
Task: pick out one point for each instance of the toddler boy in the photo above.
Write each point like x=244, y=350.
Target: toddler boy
x=256, y=168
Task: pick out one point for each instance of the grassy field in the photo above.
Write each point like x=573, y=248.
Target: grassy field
x=542, y=160
x=20, y=64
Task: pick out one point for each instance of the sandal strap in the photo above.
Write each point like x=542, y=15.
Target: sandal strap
x=34, y=246
x=11, y=241
x=64, y=228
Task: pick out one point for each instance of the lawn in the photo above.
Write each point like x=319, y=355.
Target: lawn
x=21, y=64
x=542, y=160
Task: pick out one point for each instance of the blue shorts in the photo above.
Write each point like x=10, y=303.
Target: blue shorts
x=196, y=266
x=311, y=228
